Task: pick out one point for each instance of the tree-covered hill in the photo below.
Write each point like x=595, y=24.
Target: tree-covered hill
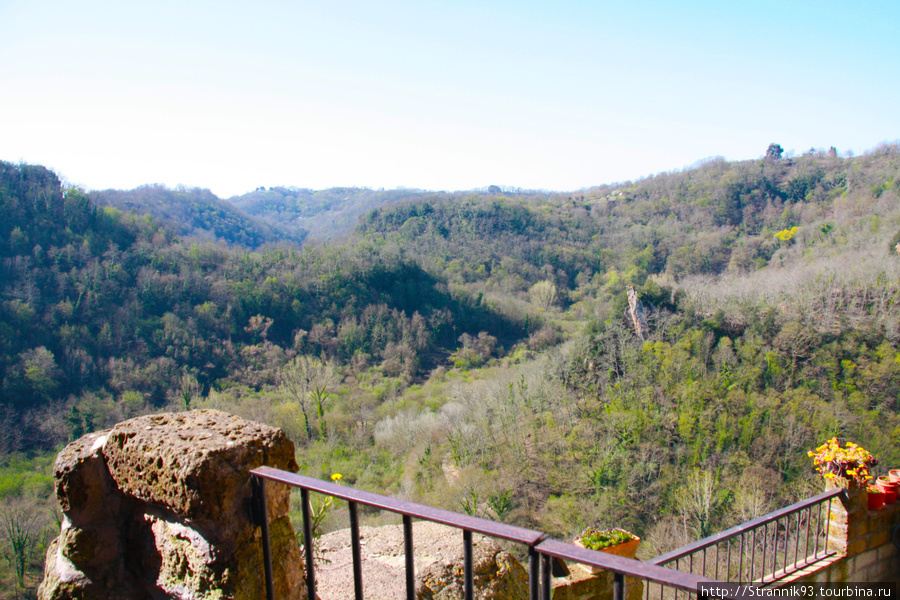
x=325, y=214
x=471, y=350
x=101, y=303
x=771, y=294
x=714, y=219
x=200, y=214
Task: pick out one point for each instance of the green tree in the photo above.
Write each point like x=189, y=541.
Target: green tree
x=774, y=151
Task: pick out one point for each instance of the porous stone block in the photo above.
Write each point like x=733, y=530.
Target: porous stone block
x=200, y=471
x=159, y=507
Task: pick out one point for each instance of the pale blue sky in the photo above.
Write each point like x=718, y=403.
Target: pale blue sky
x=436, y=95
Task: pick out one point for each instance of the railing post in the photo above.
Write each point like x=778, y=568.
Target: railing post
x=410, y=559
x=468, y=576
x=260, y=513
x=534, y=573
x=618, y=586
x=308, y=543
x=357, y=551
x=546, y=577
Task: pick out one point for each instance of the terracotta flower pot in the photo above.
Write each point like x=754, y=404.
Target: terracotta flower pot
x=891, y=488
x=876, y=498
x=894, y=475
x=626, y=549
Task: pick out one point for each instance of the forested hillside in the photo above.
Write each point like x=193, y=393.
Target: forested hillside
x=200, y=214
x=471, y=350
x=100, y=305
x=323, y=213
x=771, y=290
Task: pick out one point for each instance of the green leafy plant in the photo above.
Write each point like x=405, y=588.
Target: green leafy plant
x=598, y=539
x=850, y=463
x=501, y=503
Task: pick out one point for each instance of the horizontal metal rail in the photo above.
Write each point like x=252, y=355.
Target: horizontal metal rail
x=541, y=550
x=624, y=566
x=753, y=550
x=512, y=533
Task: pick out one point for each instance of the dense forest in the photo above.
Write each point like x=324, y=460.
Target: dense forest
x=322, y=213
x=198, y=213
x=471, y=350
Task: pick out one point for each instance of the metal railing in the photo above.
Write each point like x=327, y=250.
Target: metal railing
x=764, y=550
x=541, y=551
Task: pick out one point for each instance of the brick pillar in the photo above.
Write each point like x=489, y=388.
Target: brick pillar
x=849, y=520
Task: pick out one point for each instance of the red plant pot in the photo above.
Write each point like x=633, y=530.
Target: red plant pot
x=891, y=489
x=894, y=475
x=876, y=498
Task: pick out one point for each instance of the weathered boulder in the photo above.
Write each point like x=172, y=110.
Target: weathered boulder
x=438, y=565
x=159, y=507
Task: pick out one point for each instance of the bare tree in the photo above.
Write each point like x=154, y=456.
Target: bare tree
x=700, y=500
x=308, y=381
x=544, y=294
x=21, y=532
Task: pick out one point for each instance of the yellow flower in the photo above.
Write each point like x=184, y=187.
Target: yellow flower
x=336, y=477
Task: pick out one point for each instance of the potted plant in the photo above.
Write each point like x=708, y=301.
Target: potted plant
x=614, y=541
x=890, y=488
x=876, y=497
x=846, y=467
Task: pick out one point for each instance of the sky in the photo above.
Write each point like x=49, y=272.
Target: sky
x=456, y=95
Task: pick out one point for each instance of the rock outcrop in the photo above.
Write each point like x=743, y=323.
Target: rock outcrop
x=438, y=565
x=159, y=507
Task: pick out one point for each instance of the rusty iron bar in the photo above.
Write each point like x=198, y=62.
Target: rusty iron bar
x=751, y=529
x=628, y=567
x=818, y=526
x=357, y=551
x=261, y=517
x=716, y=569
x=468, y=571
x=546, y=578
x=527, y=537
x=744, y=527
x=787, y=539
x=676, y=568
x=753, y=555
x=618, y=586
x=410, y=558
x=541, y=550
x=308, y=543
x=534, y=574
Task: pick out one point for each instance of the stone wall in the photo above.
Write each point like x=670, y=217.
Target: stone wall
x=862, y=537
x=159, y=507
